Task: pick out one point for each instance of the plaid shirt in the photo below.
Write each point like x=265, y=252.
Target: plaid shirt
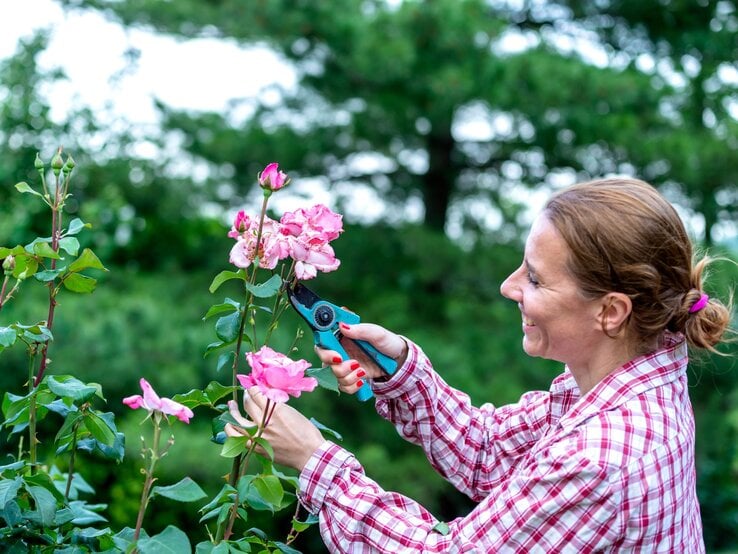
x=612, y=471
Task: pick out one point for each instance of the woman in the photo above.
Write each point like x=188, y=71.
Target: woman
x=603, y=461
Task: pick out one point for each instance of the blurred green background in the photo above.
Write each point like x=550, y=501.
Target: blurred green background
x=436, y=127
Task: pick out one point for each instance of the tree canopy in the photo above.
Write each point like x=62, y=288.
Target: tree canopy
x=455, y=104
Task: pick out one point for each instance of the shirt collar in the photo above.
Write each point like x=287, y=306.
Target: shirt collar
x=643, y=373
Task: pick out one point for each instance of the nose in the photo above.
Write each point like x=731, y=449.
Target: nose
x=510, y=287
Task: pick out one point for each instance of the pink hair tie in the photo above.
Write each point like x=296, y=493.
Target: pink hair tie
x=701, y=303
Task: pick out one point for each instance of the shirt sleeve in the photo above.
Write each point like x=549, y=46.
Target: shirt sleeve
x=561, y=503
x=473, y=448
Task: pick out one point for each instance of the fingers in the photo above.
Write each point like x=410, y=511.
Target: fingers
x=236, y=415
x=349, y=373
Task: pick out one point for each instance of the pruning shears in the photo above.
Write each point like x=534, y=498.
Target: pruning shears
x=323, y=319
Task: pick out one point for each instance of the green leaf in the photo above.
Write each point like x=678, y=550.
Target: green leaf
x=7, y=337
x=25, y=187
x=85, y=514
x=43, y=249
x=227, y=327
x=12, y=515
x=70, y=245
x=294, y=481
x=25, y=266
x=224, y=360
x=234, y=446
x=285, y=548
x=224, y=276
x=266, y=289
x=115, y=452
x=325, y=377
x=68, y=386
x=170, y=540
x=33, y=333
x=266, y=446
x=300, y=526
x=226, y=307
x=215, y=391
x=269, y=488
x=68, y=425
x=9, y=489
x=49, y=274
x=45, y=504
x=75, y=226
x=184, y=491
x=76, y=282
x=86, y=260
x=100, y=429
x=325, y=429
x=192, y=399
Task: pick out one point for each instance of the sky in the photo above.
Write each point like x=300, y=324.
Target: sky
x=180, y=73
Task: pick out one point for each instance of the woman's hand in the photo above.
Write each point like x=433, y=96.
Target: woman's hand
x=350, y=373
x=291, y=435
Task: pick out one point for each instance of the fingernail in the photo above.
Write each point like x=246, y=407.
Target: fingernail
x=360, y=373
x=344, y=326
x=337, y=359
x=355, y=365
x=359, y=383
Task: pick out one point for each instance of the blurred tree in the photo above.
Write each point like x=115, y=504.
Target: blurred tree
x=693, y=45
x=423, y=101
x=453, y=103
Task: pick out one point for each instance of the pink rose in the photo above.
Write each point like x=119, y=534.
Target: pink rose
x=317, y=222
x=274, y=246
x=151, y=402
x=276, y=376
x=312, y=257
x=271, y=178
x=241, y=225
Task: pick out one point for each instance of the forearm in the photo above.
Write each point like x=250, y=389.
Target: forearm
x=473, y=448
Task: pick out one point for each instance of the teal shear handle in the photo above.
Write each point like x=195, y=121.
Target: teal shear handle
x=324, y=319
x=331, y=340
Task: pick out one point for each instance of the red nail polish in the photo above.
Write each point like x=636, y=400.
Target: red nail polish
x=360, y=373
x=355, y=365
x=337, y=359
x=344, y=326
x=359, y=383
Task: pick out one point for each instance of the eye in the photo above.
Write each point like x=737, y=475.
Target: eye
x=532, y=279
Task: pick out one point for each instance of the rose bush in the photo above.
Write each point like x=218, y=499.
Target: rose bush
x=49, y=507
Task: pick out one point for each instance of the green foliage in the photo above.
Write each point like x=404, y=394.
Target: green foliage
x=563, y=117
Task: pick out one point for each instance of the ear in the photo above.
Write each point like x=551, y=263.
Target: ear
x=615, y=310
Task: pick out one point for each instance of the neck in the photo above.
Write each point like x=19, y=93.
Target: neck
x=614, y=354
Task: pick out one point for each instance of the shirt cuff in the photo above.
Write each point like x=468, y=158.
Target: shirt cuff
x=404, y=379
x=317, y=476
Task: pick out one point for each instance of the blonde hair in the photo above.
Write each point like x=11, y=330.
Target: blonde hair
x=624, y=236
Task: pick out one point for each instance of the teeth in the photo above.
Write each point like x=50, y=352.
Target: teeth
x=528, y=321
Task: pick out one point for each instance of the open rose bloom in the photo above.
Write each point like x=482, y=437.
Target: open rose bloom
x=303, y=235
x=153, y=403
x=276, y=376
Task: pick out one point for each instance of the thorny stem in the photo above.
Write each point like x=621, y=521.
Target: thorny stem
x=60, y=192
x=2, y=291
x=70, y=474
x=155, y=455
x=266, y=416
x=32, y=442
x=236, y=465
x=292, y=535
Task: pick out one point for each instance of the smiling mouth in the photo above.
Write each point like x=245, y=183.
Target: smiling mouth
x=528, y=322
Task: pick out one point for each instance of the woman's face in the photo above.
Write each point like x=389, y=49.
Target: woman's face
x=558, y=322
